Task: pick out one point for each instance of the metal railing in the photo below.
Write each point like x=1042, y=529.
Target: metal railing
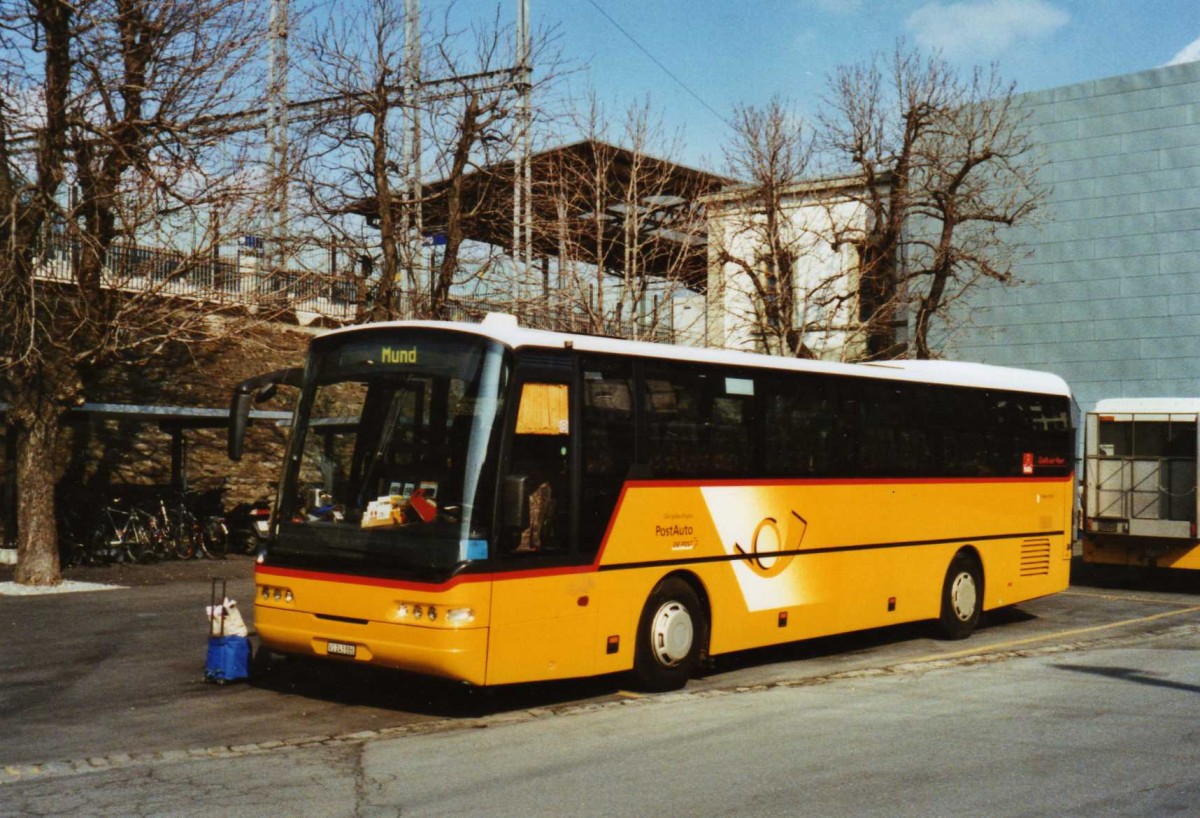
x=212, y=279
x=1142, y=488
x=242, y=280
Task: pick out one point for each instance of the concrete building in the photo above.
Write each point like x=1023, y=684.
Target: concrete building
x=1110, y=288
x=1111, y=299
x=825, y=275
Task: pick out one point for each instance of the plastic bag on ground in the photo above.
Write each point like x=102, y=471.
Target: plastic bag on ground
x=225, y=619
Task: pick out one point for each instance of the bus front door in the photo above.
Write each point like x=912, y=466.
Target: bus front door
x=542, y=618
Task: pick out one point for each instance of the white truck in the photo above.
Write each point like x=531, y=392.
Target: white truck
x=1140, y=501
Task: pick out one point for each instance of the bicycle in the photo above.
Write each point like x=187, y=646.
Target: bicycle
x=189, y=536
x=158, y=529
x=214, y=540
x=122, y=535
x=181, y=533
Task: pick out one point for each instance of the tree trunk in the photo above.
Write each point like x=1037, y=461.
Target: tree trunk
x=37, y=532
x=386, y=306
x=929, y=307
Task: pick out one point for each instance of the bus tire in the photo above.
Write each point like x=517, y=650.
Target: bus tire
x=672, y=632
x=962, y=597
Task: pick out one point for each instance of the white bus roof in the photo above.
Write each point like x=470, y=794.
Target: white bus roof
x=1148, y=406
x=506, y=330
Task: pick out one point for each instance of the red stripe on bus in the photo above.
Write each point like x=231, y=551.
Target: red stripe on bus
x=409, y=585
x=838, y=481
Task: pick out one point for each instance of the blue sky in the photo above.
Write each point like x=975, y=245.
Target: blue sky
x=746, y=51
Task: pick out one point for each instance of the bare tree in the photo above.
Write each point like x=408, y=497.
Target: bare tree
x=476, y=140
x=355, y=149
x=946, y=163
x=112, y=133
x=768, y=226
x=622, y=220
x=402, y=99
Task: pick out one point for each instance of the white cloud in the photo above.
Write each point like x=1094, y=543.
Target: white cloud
x=983, y=29
x=1190, y=53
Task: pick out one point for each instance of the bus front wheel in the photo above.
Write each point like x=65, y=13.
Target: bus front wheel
x=671, y=633
x=962, y=597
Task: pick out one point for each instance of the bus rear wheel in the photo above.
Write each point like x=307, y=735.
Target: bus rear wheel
x=671, y=633
x=962, y=597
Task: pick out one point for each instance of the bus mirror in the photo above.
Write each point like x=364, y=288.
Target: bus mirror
x=515, y=506
x=251, y=391
x=239, y=419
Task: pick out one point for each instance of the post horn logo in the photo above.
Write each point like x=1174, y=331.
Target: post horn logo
x=768, y=561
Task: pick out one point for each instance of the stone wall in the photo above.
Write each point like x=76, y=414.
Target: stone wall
x=105, y=457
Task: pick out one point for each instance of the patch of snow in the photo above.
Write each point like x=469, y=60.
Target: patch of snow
x=64, y=587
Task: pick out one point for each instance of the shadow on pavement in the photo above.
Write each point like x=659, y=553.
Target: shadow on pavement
x=1135, y=578
x=375, y=687
x=850, y=645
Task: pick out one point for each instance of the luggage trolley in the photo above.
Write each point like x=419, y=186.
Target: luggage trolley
x=228, y=655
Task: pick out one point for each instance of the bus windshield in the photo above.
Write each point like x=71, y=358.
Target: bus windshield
x=391, y=466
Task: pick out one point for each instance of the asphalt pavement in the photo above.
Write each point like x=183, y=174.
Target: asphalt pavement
x=84, y=671
x=117, y=671
x=105, y=676
x=1075, y=704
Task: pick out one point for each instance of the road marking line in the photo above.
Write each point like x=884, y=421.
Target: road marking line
x=1001, y=646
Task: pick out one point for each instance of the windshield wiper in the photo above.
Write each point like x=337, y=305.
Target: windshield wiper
x=386, y=433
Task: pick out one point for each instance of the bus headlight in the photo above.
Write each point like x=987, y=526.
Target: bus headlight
x=269, y=593
x=414, y=612
x=460, y=616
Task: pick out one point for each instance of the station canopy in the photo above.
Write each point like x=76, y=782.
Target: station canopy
x=581, y=197
x=172, y=420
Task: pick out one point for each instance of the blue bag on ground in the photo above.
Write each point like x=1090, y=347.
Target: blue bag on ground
x=228, y=659
x=228, y=646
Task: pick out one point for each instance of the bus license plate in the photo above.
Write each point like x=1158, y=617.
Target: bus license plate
x=340, y=649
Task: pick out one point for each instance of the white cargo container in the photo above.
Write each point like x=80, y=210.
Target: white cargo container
x=1140, y=502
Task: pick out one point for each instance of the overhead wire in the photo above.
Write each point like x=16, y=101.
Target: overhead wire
x=657, y=62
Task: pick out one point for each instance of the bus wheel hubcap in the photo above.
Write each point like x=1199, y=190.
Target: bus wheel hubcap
x=672, y=633
x=962, y=596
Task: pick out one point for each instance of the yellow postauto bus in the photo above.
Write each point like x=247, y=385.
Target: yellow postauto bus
x=494, y=504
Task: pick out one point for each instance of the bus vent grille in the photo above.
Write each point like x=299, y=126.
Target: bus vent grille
x=347, y=619
x=1035, y=558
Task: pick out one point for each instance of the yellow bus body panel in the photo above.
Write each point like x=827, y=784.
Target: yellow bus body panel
x=862, y=554
x=363, y=612
x=774, y=562
x=1141, y=552
x=542, y=626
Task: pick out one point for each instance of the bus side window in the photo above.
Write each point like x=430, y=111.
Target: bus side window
x=541, y=454
x=607, y=437
x=799, y=428
x=700, y=422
